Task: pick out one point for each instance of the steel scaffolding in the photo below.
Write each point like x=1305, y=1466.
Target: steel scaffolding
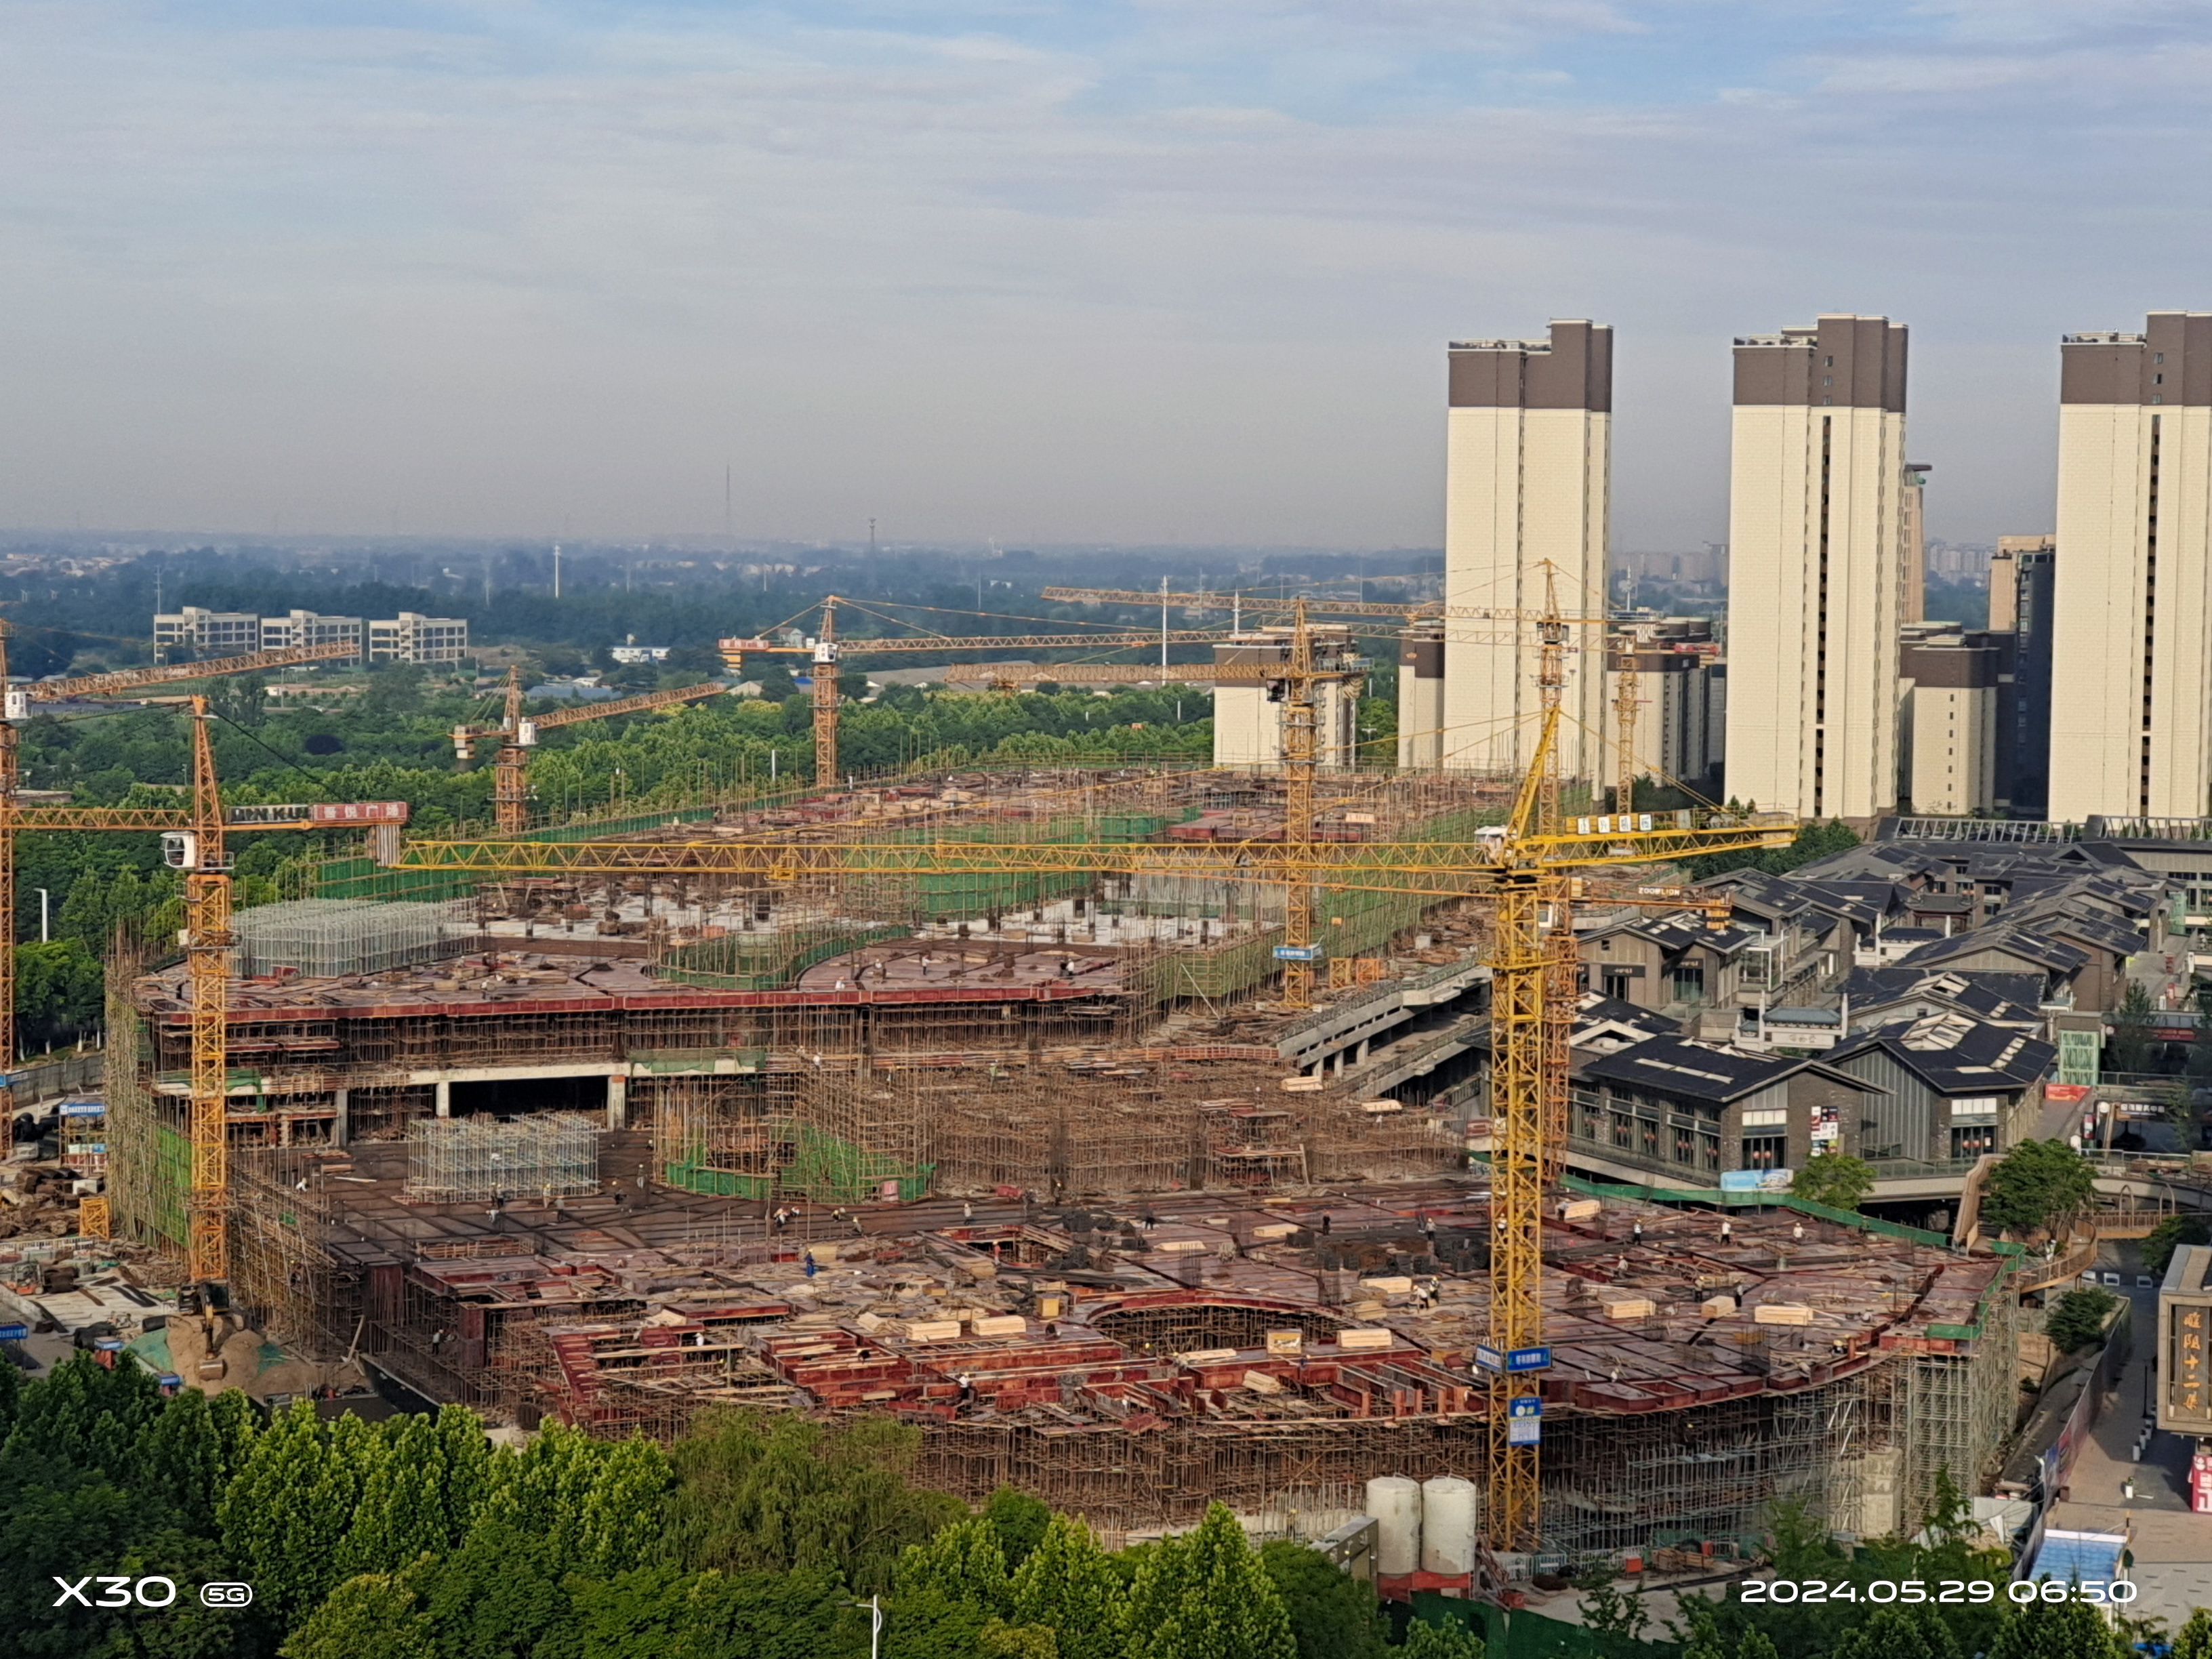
x=470, y=1160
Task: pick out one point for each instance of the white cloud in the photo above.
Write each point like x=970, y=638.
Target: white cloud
x=1037, y=272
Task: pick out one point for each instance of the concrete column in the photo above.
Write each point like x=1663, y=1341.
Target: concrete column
x=445, y=1099
x=342, y=1124
x=1360, y=1059
x=618, y=1102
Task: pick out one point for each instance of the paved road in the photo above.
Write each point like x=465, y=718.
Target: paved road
x=2172, y=1547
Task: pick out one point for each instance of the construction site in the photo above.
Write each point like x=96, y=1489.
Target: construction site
x=1147, y=1136
x=1062, y=1180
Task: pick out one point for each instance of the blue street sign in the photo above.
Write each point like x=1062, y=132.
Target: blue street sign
x=13, y=1333
x=1528, y=1359
x=84, y=1109
x=1488, y=1358
x=1297, y=953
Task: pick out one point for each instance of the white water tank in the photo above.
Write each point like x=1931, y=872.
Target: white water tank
x=1447, y=1525
x=1395, y=1504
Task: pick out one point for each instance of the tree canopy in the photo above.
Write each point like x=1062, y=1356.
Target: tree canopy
x=2036, y=1185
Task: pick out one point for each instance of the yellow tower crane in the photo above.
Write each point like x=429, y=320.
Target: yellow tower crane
x=194, y=842
x=1626, y=701
x=828, y=652
x=517, y=734
x=17, y=706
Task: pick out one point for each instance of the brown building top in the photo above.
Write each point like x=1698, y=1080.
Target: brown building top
x=1951, y=667
x=1571, y=369
x=2169, y=362
x=1847, y=362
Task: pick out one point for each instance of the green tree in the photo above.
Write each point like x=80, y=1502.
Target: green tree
x=1755, y=1644
x=500, y=1595
x=2077, y=1319
x=1835, y=1179
x=1948, y=1518
x=1069, y=1585
x=963, y=1562
x=1020, y=1521
x=1332, y=1615
x=2034, y=1186
x=1612, y=1612
x=773, y=1490
x=1701, y=1637
x=84, y=1414
x=599, y=1505
x=1426, y=1641
x=2194, y=1640
x=371, y=1616
x=1898, y=1634
x=2127, y=1050
x=1813, y=842
x=661, y=1612
x=404, y=1510
x=2169, y=1235
x=190, y=1450
x=2055, y=1630
x=60, y=991
x=284, y=1517
x=1205, y=1595
x=1000, y=1640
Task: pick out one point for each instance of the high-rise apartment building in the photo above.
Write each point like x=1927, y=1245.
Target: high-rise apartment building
x=1527, y=462
x=2132, y=632
x=2033, y=588
x=1681, y=694
x=1957, y=683
x=2013, y=556
x=1420, y=696
x=1248, y=714
x=1816, y=567
x=1913, y=499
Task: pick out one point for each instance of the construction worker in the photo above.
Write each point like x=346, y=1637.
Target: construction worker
x=1727, y=1229
x=967, y=1211
x=1798, y=1229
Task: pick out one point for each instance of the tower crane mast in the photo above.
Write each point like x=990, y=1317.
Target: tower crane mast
x=16, y=705
x=517, y=734
x=1626, y=703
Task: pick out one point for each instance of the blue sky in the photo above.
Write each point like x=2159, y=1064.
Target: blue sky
x=1042, y=272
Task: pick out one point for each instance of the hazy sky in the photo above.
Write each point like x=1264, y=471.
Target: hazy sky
x=1177, y=270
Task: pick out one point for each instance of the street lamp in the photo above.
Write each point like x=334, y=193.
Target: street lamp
x=874, y=1604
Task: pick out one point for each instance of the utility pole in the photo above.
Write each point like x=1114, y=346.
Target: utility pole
x=557, y=570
